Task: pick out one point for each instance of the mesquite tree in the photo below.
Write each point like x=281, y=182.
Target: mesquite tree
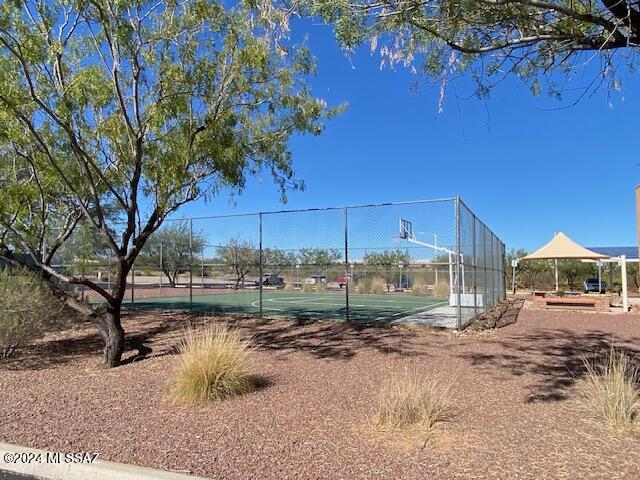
x=544, y=42
x=172, y=249
x=242, y=256
x=135, y=108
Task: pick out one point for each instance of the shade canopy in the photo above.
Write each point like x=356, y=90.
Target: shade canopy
x=561, y=247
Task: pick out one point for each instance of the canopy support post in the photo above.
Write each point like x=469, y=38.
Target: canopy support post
x=599, y=277
x=556, y=269
x=623, y=272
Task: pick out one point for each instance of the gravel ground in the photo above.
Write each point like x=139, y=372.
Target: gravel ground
x=514, y=392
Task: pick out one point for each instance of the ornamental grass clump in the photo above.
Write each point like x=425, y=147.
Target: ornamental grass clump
x=409, y=400
x=609, y=391
x=211, y=365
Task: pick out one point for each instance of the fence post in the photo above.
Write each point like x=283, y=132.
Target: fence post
x=260, y=260
x=458, y=280
x=346, y=261
x=473, y=269
x=191, y=265
x=161, y=272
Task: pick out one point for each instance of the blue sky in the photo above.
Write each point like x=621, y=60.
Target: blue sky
x=524, y=166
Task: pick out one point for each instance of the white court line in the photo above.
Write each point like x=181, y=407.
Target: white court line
x=335, y=295
x=412, y=310
x=308, y=301
x=314, y=301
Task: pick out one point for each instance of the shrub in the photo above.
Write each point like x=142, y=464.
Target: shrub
x=609, y=391
x=408, y=400
x=27, y=309
x=363, y=285
x=371, y=285
x=211, y=366
x=441, y=290
x=419, y=289
x=314, y=287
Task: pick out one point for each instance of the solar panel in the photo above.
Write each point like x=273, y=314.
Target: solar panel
x=629, y=252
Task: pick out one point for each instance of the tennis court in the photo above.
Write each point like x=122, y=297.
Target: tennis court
x=363, y=308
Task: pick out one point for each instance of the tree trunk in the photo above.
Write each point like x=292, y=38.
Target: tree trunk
x=108, y=323
x=112, y=332
x=172, y=279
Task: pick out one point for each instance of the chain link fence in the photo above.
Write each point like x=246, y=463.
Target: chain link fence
x=427, y=262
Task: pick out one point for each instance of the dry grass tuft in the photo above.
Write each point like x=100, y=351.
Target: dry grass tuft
x=211, y=366
x=408, y=401
x=375, y=286
x=419, y=289
x=441, y=290
x=319, y=287
x=609, y=391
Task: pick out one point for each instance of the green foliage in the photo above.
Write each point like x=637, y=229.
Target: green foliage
x=489, y=40
x=118, y=113
x=387, y=264
x=275, y=260
x=575, y=271
x=514, y=254
x=241, y=256
x=84, y=244
x=319, y=260
x=143, y=102
x=27, y=309
x=172, y=249
x=532, y=269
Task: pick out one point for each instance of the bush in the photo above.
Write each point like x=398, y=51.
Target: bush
x=314, y=287
x=27, y=309
x=609, y=391
x=441, y=290
x=374, y=286
x=211, y=366
x=408, y=400
x=419, y=289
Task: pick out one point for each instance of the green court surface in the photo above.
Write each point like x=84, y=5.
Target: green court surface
x=363, y=308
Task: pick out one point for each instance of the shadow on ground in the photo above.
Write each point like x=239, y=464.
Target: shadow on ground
x=555, y=356
x=157, y=333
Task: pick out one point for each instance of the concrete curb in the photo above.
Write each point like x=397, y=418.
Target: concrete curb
x=52, y=466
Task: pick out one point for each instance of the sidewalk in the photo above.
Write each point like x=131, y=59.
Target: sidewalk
x=30, y=463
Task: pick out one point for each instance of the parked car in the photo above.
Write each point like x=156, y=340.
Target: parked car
x=271, y=280
x=342, y=279
x=591, y=285
x=315, y=279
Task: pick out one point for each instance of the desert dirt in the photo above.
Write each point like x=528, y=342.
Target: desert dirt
x=515, y=413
